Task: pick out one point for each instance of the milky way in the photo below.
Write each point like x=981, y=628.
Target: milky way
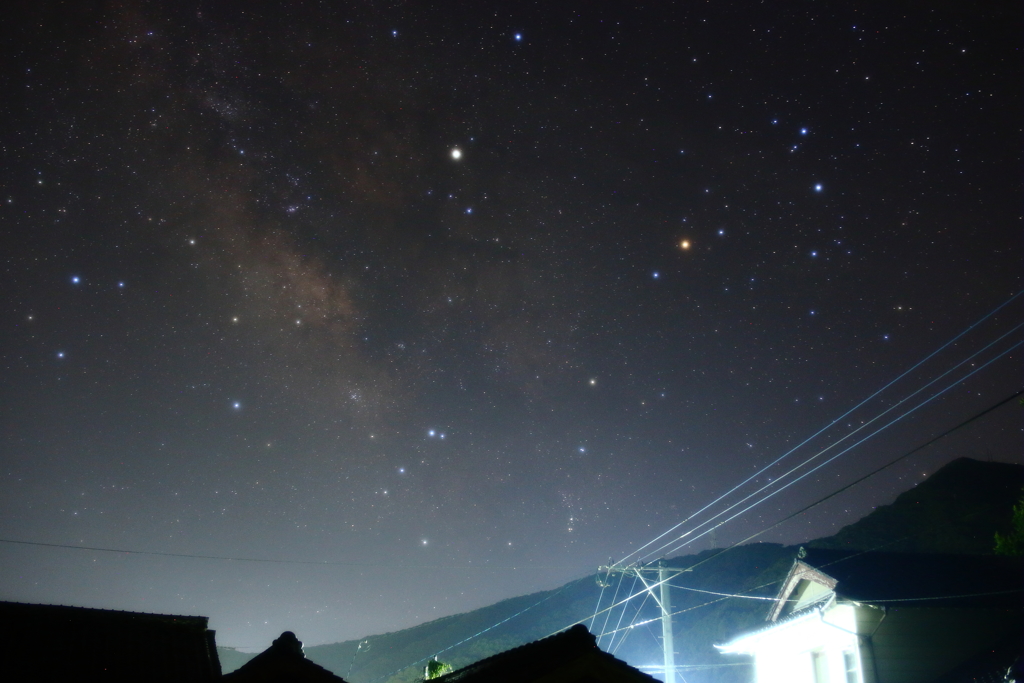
x=469, y=299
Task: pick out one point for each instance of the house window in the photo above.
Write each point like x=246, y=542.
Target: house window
x=820, y=664
x=852, y=666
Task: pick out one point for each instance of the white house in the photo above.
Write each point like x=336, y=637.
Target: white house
x=872, y=617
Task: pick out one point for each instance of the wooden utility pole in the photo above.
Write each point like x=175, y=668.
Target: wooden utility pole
x=664, y=599
x=666, y=624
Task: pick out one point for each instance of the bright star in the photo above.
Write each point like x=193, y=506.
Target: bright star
x=817, y=188
x=593, y=382
x=685, y=244
x=237, y=405
x=518, y=36
x=655, y=275
x=456, y=153
x=60, y=354
x=75, y=279
x=803, y=131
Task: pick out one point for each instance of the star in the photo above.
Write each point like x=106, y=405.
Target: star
x=685, y=244
x=456, y=153
x=75, y=279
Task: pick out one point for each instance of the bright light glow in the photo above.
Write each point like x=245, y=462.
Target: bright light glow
x=456, y=153
x=685, y=244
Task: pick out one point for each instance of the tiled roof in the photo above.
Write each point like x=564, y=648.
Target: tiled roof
x=282, y=662
x=543, y=657
x=51, y=642
x=920, y=579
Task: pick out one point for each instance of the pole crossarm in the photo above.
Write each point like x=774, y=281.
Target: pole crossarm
x=659, y=574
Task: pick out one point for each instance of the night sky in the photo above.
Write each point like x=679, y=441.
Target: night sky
x=467, y=299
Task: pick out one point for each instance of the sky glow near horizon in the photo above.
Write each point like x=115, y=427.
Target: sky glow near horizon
x=474, y=300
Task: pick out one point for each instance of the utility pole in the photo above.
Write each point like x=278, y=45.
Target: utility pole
x=664, y=600
x=666, y=624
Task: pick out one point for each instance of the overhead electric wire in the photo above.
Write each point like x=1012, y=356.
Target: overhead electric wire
x=998, y=404
x=776, y=481
x=480, y=633
x=600, y=597
x=823, y=429
x=608, y=614
x=225, y=558
x=618, y=585
x=765, y=530
x=847, y=449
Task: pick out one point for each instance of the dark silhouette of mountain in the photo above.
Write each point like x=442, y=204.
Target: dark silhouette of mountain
x=956, y=510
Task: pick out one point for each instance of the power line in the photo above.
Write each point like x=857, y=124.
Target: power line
x=225, y=558
x=839, y=441
x=823, y=429
x=966, y=422
x=834, y=457
x=480, y=633
x=944, y=434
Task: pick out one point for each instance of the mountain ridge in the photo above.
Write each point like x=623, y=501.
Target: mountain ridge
x=955, y=510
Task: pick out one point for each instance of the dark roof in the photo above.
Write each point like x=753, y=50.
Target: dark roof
x=562, y=651
x=283, y=661
x=51, y=642
x=914, y=579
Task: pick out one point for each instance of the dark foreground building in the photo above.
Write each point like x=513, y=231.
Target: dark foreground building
x=282, y=662
x=57, y=643
x=571, y=656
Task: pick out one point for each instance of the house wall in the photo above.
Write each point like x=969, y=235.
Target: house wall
x=806, y=650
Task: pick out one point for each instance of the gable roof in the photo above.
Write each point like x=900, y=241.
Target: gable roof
x=78, y=643
x=570, y=655
x=282, y=661
x=907, y=579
